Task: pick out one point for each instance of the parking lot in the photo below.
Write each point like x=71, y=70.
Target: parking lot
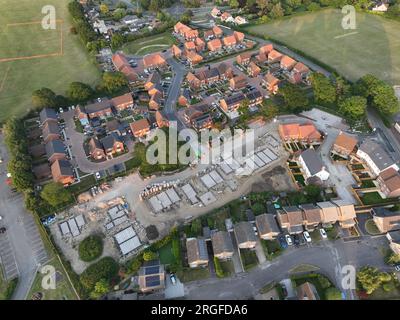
x=7, y=258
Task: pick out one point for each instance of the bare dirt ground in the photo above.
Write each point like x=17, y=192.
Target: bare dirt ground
x=276, y=179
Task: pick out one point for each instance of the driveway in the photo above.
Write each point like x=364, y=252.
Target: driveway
x=79, y=159
x=173, y=291
x=22, y=246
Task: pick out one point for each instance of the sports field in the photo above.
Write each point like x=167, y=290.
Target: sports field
x=373, y=47
x=32, y=57
x=151, y=44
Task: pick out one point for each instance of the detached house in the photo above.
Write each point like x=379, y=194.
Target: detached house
x=237, y=83
x=197, y=254
x=344, y=145
x=239, y=36
x=153, y=61
x=222, y=245
x=189, y=46
x=194, y=58
x=253, y=70
x=96, y=149
x=287, y=63
x=389, y=183
x=386, y=220
x=271, y=83
x=176, y=51
x=267, y=226
x=208, y=35
x=215, y=12
x=313, y=165
x=121, y=64
x=218, y=33
x=376, y=157
x=200, y=44
x=140, y=128
x=245, y=236
x=299, y=72
x=229, y=41
x=153, y=79
x=244, y=58
x=240, y=20
x=122, y=102
x=112, y=144
x=227, y=17
x=214, y=45
x=274, y=56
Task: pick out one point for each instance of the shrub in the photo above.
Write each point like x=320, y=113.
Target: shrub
x=333, y=294
x=90, y=248
x=218, y=269
x=323, y=281
x=106, y=268
x=149, y=255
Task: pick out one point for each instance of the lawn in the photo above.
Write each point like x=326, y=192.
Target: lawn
x=151, y=44
x=166, y=255
x=53, y=62
x=352, y=53
x=272, y=248
x=374, y=198
x=371, y=227
x=249, y=259
x=189, y=274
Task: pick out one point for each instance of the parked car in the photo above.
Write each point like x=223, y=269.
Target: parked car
x=288, y=240
x=323, y=233
x=307, y=236
x=98, y=176
x=397, y=267
x=296, y=240
x=282, y=242
x=284, y=290
x=3, y=230
x=173, y=278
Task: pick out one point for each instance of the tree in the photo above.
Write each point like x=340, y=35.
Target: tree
x=270, y=111
x=119, y=13
x=117, y=41
x=324, y=90
x=100, y=289
x=333, y=294
x=393, y=259
x=56, y=195
x=44, y=98
x=371, y=279
x=149, y=255
x=114, y=81
x=262, y=5
x=258, y=208
x=276, y=11
x=353, y=107
x=79, y=92
x=295, y=99
x=90, y=248
x=234, y=3
x=313, y=192
x=106, y=268
x=342, y=87
x=104, y=8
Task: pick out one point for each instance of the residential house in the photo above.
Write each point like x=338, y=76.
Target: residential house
x=239, y=36
x=254, y=97
x=240, y=20
x=312, y=165
x=307, y=291
x=188, y=33
x=225, y=71
x=271, y=83
x=376, y=157
x=198, y=116
x=287, y=63
x=291, y=219
x=208, y=35
x=245, y=235
x=394, y=241
x=112, y=125
x=208, y=76
x=222, y=245
x=232, y=103
x=55, y=150
x=189, y=45
x=214, y=45
x=121, y=64
x=193, y=58
x=244, y=58
x=312, y=216
x=227, y=17
x=344, y=145
x=295, y=132
x=50, y=131
x=112, y=144
x=156, y=89
x=253, y=70
x=161, y=119
x=176, y=51
x=99, y=109
x=329, y=212
x=229, y=41
x=48, y=115
x=385, y=219
x=200, y=44
x=218, y=33
x=300, y=71
x=151, y=276
x=140, y=128
x=153, y=61
x=41, y=171
x=153, y=79
x=380, y=7
x=62, y=172
x=267, y=226
x=184, y=99
x=215, y=12
x=191, y=35
x=122, y=102
x=96, y=149
x=237, y=83
x=197, y=254
x=82, y=117
x=193, y=81
x=347, y=214
x=155, y=101
x=274, y=56
x=266, y=49
x=389, y=182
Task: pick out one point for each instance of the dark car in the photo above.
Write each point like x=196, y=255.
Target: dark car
x=302, y=240
x=2, y=230
x=282, y=242
x=296, y=239
x=284, y=290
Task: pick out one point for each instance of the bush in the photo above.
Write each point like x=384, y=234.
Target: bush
x=133, y=265
x=218, y=269
x=91, y=248
x=149, y=255
x=323, y=281
x=8, y=293
x=106, y=268
x=333, y=294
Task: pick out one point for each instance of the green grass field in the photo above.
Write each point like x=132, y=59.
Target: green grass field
x=373, y=47
x=151, y=44
x=32, y=57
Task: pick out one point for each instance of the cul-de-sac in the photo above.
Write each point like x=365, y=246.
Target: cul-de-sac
x=199, y=150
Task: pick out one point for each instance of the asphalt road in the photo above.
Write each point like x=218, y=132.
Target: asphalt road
x=330, y=257
x=23, y=236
